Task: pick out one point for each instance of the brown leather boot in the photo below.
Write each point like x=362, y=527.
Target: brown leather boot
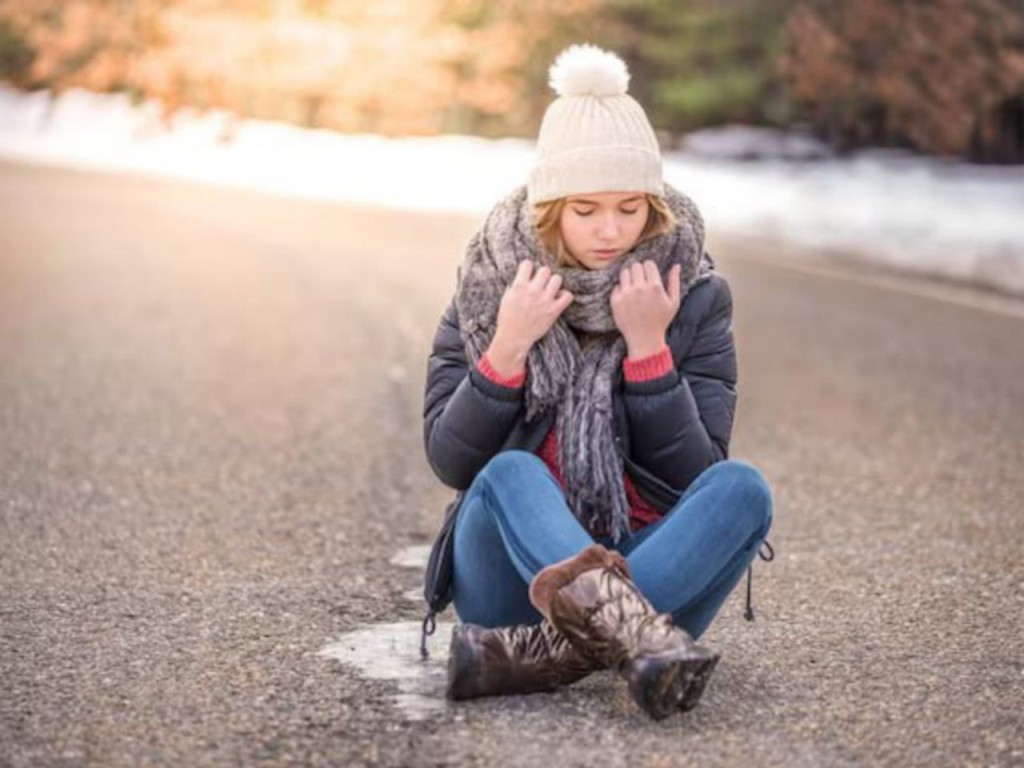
x=521, y=659
x=591, y=599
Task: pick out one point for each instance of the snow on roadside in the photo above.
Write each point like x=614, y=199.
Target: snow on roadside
x=952, y=219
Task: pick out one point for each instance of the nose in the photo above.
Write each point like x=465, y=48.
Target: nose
x=609, y=227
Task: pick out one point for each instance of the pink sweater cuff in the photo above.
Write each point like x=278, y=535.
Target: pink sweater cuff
x=484, y=366
x=647, y=368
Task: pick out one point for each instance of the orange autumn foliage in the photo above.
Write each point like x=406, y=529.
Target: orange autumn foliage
x=392, y=66
x=945, y=77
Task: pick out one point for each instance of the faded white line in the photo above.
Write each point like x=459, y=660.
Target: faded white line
x=415, y=556
x=392, y=652
x=993, y=303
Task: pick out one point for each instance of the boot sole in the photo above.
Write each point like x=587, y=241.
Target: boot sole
x=701, y=675
x=664, y=684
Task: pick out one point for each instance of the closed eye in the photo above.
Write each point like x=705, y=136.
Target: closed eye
x=578, y=212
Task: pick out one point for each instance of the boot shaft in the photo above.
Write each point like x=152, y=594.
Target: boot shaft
x=604, y=606
x=512, y=660
x=593, y=602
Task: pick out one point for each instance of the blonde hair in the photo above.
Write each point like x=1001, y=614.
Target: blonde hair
x=547, y=215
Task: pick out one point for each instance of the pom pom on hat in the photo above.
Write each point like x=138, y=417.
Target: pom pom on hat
x=582, y=70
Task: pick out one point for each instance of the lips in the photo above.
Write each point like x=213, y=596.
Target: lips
x=605, y=254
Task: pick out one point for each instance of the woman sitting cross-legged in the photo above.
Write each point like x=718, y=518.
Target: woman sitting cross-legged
x=580, y=396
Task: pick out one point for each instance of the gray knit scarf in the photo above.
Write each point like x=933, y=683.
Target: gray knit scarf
x=572, y=369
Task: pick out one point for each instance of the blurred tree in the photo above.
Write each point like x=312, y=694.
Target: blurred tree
x=702, y=62
x=400, y=66
x=16, y=55
x=500, y=60
x=943, y=77
x=100, y=46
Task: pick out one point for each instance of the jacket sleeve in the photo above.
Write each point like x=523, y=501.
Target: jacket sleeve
x=466, y=416
x=681, y=423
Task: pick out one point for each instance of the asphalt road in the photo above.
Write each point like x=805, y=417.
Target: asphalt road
x=210, y=452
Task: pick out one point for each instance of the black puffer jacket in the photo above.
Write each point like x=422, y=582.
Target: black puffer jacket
x=668, y=430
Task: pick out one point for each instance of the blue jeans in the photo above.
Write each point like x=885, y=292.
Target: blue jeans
x=514, y=521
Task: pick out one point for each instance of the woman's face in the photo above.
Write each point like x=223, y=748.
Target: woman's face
x=598, y=229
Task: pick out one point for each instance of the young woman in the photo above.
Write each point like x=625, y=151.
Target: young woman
x=580, y=396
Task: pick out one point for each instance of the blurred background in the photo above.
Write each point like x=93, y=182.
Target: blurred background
x=942, y=78
x=865, y=128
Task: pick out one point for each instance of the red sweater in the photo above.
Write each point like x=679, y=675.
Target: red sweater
x=640, y=512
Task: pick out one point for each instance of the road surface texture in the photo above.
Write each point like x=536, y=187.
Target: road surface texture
x=210, y=452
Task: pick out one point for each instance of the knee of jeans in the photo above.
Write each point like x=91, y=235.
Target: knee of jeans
x=472, y=515
x=750, y=495
x=507, y=463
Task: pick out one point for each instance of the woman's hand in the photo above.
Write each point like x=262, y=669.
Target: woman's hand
x=643, y=309
x=531, y=305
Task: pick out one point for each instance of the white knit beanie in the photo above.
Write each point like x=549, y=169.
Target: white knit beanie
x=594, y=137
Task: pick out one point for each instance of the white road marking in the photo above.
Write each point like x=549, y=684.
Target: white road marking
x=995, y=303
x=415, y=556
x=392, y=652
